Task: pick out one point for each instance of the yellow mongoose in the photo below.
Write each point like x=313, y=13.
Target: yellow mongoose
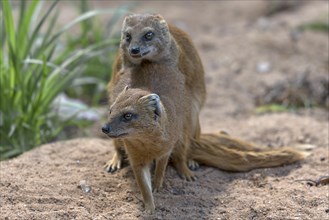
x=162, y=59
x=147, y=125
x=140, y=120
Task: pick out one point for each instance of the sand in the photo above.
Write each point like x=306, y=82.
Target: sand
x=244, y=54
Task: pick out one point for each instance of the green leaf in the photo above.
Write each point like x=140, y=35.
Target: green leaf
x=271, y=108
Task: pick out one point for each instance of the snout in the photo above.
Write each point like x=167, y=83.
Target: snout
x=135, y=51
x=106, y=129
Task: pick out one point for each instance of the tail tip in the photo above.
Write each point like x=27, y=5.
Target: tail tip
x=305, y=154
x=304, y=147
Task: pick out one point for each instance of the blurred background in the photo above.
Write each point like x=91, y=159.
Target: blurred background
x=260, y=57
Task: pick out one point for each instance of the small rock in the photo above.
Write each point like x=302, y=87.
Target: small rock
x=129, y=199
x=263, y=67
x=84, y=186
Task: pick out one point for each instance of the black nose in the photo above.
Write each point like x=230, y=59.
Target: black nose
x=106, y=128
x=135, y=50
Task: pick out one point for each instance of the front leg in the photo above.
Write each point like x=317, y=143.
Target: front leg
x=116, y=162
x=160, y=168
x=143, y=178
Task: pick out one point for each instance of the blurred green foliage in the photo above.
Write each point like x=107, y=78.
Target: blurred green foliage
x=272, y=108
x=39, y=61
x=315, y=26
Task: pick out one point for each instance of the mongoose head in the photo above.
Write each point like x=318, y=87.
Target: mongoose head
x=144, y=37
x=134, y=114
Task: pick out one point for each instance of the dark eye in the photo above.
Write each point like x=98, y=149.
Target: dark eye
x=149, y=35
x=128, y=37
x=127, y=116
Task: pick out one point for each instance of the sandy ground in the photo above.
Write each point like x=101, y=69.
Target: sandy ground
x=244, y=54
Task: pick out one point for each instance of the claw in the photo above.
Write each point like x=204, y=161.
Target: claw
x=193, y=165
x=184, y=172
x=188, y=177
x=111, y=169
x=113, y=165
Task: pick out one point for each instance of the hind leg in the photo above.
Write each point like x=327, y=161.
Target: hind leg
x=179, y=159
x=193, y=165
x=196, y=132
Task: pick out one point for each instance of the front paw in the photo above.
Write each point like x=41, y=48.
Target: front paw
x=150, y=209
x=113, y=165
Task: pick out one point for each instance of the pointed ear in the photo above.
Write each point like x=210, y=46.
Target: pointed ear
x=160, y=18
x=126, y=19
x=152, y=102
x=126, y=22
x=123, y=91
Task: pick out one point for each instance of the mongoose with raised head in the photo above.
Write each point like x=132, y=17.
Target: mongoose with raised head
x=162, y=59
x=153, y=55
x=146, y=123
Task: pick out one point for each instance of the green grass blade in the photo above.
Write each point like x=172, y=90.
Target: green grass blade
x=79, y=19
x=24, y=27
x=38, y=27
x=32, y=75
x=9, y=23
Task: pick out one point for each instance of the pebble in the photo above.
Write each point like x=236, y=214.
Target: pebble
x=129, y=199
x=263, y=67
x=84, y=186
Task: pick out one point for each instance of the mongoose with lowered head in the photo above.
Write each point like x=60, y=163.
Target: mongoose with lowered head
x=139, y=120
x=147, y=125
x=160, y=58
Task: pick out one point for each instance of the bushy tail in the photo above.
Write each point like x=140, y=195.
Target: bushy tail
x=231, y=154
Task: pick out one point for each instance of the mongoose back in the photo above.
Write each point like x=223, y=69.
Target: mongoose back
x=161, y=58
x=147, y=125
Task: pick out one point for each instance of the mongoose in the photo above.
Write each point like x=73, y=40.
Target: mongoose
x=161, y=57
x=159, y=61
x=147, y=125
x=139, y=120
